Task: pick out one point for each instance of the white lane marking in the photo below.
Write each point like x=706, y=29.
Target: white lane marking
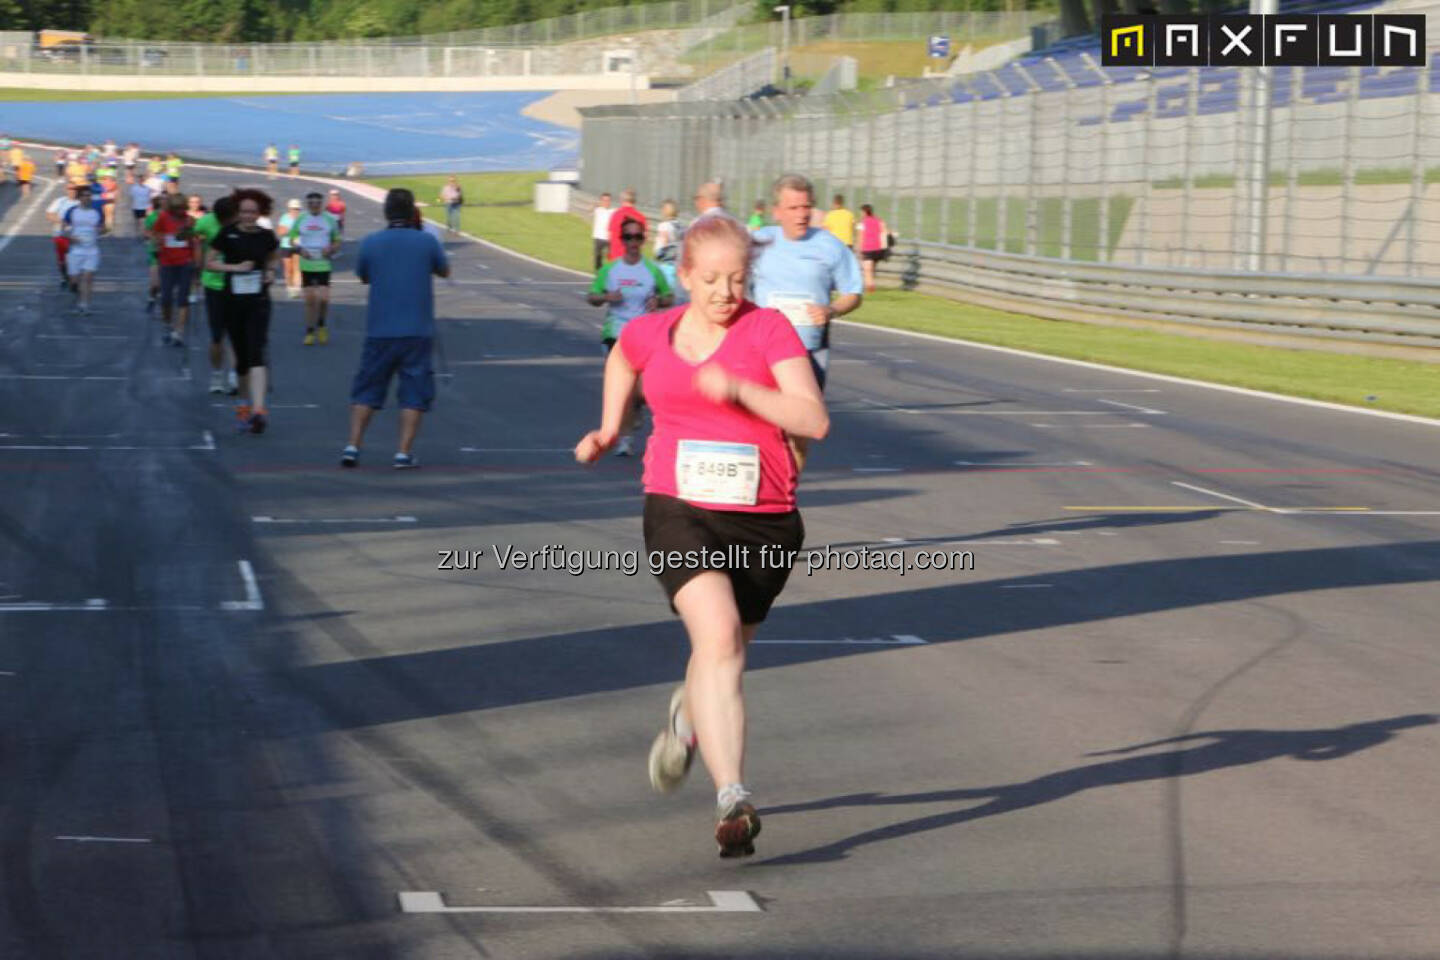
x=106, y=446
x=877, y=469
x=7, y=673
x=55, y=376
x=721, y=901
x=105, y=839
x=278, y=406
x=1111, y=390
x=253, y=600
x=517, y=449
x=1161, y=377
x=25, y=218
x=880, y=404
x=1242, y=543
x=1225, y=496
x=79, y=336
x=93, y=605
x=1027, y=586
x=1110, y=426
x=894, y=640
x=1365, y=513
x=1023, y=463
x=894, y=359
x=1131, y=406
x=334, y=520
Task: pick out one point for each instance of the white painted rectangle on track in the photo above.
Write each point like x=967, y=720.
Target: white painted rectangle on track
x=721, y=901
x=282, y=520
x=93, y=605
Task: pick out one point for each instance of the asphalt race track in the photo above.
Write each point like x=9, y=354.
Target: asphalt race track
x=1184, y=704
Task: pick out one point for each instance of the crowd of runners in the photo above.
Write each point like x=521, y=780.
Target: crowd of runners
x=723, y=336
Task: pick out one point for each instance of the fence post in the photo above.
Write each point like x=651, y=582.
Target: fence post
x=1417, y=171
x=1147, y=189
x=1032, y=207
x=947, y=106
x=1102, y=170
x=1347, y=190
x=1067, y=203
x=1292, y=171
x=972, y=131
x=1187, y=171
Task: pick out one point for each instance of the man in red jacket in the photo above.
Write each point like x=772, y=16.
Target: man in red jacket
x=626, y=211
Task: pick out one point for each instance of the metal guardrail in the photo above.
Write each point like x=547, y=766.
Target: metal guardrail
x=1382, y=309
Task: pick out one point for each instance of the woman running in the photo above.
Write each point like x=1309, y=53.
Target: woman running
x=245, y=253
x=727, y=381
x=872, y=236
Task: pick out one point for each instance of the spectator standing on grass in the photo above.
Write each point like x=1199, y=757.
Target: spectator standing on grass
x=454, y=199
x=874, y=243
x=397, y=263
x=600, y=229
x=627, y=211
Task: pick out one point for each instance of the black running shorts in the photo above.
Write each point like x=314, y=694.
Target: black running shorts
x=314, y=278
x=676, y=531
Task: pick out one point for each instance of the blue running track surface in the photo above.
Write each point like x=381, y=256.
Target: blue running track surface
x=387, y=132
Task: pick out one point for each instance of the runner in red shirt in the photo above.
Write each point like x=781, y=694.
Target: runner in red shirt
x=626, y=211
x=175, y=250
x=726, y=381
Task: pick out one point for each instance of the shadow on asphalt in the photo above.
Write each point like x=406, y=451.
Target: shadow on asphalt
x=1217, y=750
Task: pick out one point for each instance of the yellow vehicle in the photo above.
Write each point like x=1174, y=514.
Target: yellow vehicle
x=62, y=44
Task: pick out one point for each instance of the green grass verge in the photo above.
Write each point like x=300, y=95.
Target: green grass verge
x=25, y=94
x=1404, y=386
x=1324, y=177
x=499, y=209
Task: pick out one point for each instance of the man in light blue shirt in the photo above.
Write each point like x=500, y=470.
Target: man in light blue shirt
x=397, y=263
x=800, y=267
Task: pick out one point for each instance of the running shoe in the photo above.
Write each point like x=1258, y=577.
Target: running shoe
x=737, y=826
x=350, y=456
x=242, y=418
x=404, y=461
x=217, y=381
x=670, y=754
x=322, y=335
x=258, y=421
x=194, y=298
x=84, y=309
x=624, y=448
x=309, y=338
x=150, y=305
x=176, y=340
x=232, y=383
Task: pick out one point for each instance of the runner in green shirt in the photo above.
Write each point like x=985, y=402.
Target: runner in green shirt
x=150, y=258
x=316, y=238
x=207, y=228
x=293, y=155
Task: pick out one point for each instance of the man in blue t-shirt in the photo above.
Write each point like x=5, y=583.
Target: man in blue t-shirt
x=398, y=264
x=799, y=269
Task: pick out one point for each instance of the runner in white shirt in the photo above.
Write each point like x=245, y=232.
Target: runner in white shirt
x=56, y=214
x=82, y=224
x=600, y=230
x=140, y=195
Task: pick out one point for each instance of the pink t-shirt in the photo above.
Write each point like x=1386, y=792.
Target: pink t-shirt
x=872, y=234
x=757, y=340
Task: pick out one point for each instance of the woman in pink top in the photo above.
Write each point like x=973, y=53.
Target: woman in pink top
x=872, y=235
x=726, y=381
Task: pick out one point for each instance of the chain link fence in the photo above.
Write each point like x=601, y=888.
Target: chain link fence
x=1285, y=170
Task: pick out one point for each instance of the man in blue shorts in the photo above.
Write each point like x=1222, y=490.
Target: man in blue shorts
x=398, y=264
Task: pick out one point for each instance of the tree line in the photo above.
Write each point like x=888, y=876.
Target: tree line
x=272, y=21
